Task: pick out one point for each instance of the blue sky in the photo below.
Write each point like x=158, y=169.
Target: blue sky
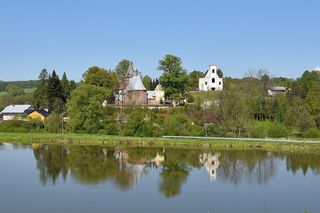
x=281, y=36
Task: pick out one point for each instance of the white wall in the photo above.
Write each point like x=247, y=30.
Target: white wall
x=208, y=84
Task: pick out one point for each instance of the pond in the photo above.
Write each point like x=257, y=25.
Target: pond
x=56, y=178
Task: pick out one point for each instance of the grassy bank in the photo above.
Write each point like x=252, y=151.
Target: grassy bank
x=85, y=139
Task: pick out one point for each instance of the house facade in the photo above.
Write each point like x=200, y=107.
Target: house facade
x=211, y=81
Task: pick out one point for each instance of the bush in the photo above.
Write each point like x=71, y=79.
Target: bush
x=311, y=133
x=53, y=123
x=21, y=126
x=112, y=129
x=214, y=130
x=278, y=131
x=141, y=122
x=258, y=129
x=180, y=125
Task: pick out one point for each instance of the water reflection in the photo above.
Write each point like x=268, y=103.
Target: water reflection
x=124, y=167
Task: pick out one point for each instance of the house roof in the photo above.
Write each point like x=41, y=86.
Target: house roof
x=151, y=94
x=43, y=112
x=131, y=71
x=278, y=88
x=15, y=109
x=135, y=83
x=158, y=88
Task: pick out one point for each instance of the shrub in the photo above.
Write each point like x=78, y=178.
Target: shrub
x=278, y=131
x=311, y=133
x=111, y=129
x=214, y=130
x=53, y=123
x=180, y=125
x=21, y=126
x=141, y=122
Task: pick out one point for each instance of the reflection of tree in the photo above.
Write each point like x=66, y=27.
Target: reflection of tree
x=296, y=161
x=172, y=178
x=92, y=164
x=51, y=161
x=249, y=166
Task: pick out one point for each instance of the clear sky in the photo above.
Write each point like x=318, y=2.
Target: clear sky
x=282, y=36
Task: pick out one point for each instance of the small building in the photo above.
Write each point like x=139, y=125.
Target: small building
x=37, y=114
x=211, y=81
x=14, y=112
x=276, y=90
x=133, y=92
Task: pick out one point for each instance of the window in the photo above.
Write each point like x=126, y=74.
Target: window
x=213, y=80
x=213, y=71
x=220, y=83
x=206, y=83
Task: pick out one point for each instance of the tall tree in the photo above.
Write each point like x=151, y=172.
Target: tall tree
x=40, y=97
x=85, y=108
x=55, y=93
x=122, y=68
x=194, y=79
x=174, y=78
x=147, y=81
x=65, y=85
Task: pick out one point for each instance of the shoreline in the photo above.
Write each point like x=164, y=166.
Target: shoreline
x=185, y=142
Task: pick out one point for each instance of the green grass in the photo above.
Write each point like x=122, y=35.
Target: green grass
x=29, y=90
x=3, y=93
x=202, y=95
x=86, y=139
x=26, y=91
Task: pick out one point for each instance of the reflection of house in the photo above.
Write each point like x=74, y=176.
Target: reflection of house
x=211, y=163
x=14, y=112
x=211, y=81
x=276, y=90
x=133, y=92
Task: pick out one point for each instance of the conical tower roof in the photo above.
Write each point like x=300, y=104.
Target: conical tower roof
x=131, y=72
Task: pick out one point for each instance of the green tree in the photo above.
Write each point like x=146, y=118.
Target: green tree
x=147, y=81
x=142, y=122
x=55, y=93
x=40, y=97
x=122, y=68
x=100, y=77
x=14, y=90
x=174, y=78
x=85, y=108
x=194, y=79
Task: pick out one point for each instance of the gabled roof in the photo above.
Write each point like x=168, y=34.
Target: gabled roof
x=278, y=88
x=158, y=88
x=43, y=112
x=15, y=109
x=135, y=83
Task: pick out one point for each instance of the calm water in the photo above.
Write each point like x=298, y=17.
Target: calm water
x=116, y=179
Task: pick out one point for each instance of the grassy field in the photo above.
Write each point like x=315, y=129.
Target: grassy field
x=85, y=139
x=26, y=91
x=202, y=95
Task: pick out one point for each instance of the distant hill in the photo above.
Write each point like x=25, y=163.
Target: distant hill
x=31, y=84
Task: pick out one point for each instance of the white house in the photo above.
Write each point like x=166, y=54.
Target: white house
x=14, y=112
x=211, y=81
